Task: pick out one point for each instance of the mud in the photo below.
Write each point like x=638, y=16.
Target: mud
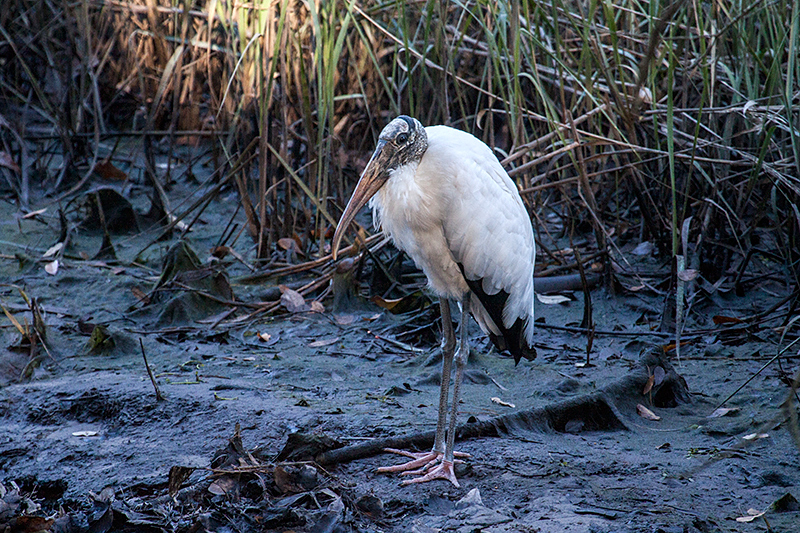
x=86, y=417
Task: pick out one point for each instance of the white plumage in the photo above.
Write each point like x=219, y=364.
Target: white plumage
x=443, y=197
x=458, y=205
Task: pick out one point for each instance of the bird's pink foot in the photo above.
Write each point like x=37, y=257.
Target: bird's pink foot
x=444, y=470
x=424, y=464
x=419, y=460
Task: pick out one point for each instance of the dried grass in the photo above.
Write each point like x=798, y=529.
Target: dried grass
x=623, y=117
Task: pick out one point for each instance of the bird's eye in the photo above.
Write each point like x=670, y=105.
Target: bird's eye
x=402, y=138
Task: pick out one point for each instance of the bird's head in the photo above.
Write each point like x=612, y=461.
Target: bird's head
x=401, y=142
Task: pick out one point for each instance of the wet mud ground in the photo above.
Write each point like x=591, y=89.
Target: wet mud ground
x=83, y=422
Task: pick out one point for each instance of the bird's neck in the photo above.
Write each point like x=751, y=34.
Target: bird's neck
x=403, y=200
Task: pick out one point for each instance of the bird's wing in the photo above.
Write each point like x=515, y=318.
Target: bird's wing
x=487, y=227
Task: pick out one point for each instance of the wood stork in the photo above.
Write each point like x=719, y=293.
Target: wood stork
x=443, y=197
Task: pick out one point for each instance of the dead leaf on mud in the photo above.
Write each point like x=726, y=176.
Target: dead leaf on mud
x=292, y=300
x=30, y=524
x=51, y=268
x=332, y=518
x=655, y=379
x=293, y=478
x=724, y=411
x=53, y=250
x=106, y=170
x=223, y=485
x=646, y=413
x=102, y=517
x=386, y=303
x=140, y=295
x=323, y=342
x=649, y=385
x=370, y=506
x=344, y=320
x=85, y=433
x=100, y=340
x=752, y=514
x=34, y=214
x=756, y=436
x=719, y=320
x=498, y=401
x=553, y=299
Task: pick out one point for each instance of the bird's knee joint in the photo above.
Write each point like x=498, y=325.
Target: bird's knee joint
x=448, y=345
x=461, y=356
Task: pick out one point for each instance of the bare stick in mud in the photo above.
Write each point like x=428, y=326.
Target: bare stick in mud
x=150, y=373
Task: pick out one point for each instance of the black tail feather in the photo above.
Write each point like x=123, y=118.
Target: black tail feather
x=510, y=339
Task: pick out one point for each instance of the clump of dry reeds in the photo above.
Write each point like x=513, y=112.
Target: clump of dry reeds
x=655, y=121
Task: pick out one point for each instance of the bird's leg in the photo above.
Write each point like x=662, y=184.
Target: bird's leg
x=446, y=470
x=448, y=350
x=420, y=461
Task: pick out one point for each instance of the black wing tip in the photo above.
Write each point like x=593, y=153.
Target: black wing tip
x=518, y=348
x=511, y=339
x=525, y=352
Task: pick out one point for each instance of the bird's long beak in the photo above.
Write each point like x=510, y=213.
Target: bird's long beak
x=372, y=179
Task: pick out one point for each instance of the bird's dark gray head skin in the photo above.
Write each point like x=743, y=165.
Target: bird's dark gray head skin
x=401, y=142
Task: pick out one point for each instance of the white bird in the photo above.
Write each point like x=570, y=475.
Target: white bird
x=444, y=198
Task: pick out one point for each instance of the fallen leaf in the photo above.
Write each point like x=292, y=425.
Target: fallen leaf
x=52, y=268
x=291, y=478
x=754, y=436
x=646, y=413
x=498, y=401
x=292, y=300
x=107, y=170
x=220, y=251
x=719, y=319
x=30, y=524
x=317, y=307
x=287, y=244
x=323, y=342
x=649, y=385
x=53, y=250
x=644, y=248
x=345, y=319
x=387, y=304
x=752, y=514
x=140, y=295
x=659, y=373
x=86, y=433
x=34, y=213
x=551, y=299
x=222, y=486
x=723, y=411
